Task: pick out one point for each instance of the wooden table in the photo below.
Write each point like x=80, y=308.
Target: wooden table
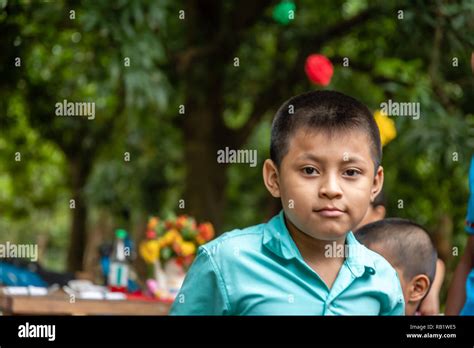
x=59, y=304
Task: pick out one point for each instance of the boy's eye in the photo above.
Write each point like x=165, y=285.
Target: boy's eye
x=310, y=170
x=352, y=172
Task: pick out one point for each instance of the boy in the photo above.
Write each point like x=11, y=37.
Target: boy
x=408, y=248
x=325, y=167
x=376, y=210
x=430, y=304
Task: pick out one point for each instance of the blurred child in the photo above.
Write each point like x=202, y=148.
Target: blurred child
x=430, y=304
x=461, y=293
x=409, y=249
x=376, y=210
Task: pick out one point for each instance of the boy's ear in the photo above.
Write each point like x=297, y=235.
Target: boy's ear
x=377, y=183
x=271, y=178
x=419, y=286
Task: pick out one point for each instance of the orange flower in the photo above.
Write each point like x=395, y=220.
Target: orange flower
x=181, y=221
x=206, y=231
x=152, y=222
x=177, y=248
x=200, y=240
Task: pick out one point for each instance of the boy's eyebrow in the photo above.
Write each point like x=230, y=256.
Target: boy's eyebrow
x=314, y=158
x=309, y=156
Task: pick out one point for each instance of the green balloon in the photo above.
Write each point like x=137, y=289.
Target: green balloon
x=281, y=12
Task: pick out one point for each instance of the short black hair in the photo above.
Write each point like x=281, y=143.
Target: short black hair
x=406, y=245
x=322, y=110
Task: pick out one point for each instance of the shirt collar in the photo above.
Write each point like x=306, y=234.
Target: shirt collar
x=277, y=239
x=359, y=259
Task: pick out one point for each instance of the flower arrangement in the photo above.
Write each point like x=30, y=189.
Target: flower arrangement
x=176, y=238
x=170, y=248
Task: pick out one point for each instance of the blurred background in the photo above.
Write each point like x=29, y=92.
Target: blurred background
x=169, y=93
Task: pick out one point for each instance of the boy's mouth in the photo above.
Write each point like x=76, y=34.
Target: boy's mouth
x=329, y=212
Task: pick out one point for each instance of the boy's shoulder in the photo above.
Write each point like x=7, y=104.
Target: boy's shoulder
x=387, y=279
x=384, y=277
x=374, y=260
x=236, y=240
x=380, y=263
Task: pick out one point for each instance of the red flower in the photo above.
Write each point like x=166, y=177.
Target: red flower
x=319, y=69
x=187, y=260
x=150, y=234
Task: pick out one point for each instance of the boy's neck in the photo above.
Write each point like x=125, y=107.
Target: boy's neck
x=313, y=248
x=313, y=252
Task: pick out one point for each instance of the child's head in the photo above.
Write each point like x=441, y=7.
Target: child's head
x=376, y=210
x=325, y=162
x=409, y=249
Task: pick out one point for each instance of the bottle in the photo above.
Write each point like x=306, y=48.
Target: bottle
x=119, y=268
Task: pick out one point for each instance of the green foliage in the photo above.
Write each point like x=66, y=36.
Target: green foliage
x=86, y=59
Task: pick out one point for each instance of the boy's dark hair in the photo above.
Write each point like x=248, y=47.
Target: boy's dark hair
x=406, y=244
x=329, y=111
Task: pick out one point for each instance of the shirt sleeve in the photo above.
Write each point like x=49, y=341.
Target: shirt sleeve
x=396, y=304
x=470, y=204
x=203, y=291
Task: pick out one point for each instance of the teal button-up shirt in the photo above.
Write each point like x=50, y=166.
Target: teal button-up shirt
x=260, y=271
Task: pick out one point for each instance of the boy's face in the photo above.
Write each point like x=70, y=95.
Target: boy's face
x=326, y=183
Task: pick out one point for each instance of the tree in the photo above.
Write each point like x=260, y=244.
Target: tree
x=228, y=66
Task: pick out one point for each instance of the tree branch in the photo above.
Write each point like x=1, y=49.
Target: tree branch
x=240, y=21
x=281, y=86
x=228, y=37
x=376, y=78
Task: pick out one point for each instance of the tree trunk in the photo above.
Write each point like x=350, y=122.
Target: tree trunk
x=203, y=73
x=98, y=233
x=205, y=178
x=443, y=237
x=79, y=171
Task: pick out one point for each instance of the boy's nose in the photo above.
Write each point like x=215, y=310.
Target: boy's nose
x=330, y=188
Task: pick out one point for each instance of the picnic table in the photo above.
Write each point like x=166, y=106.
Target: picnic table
x=59, y=303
